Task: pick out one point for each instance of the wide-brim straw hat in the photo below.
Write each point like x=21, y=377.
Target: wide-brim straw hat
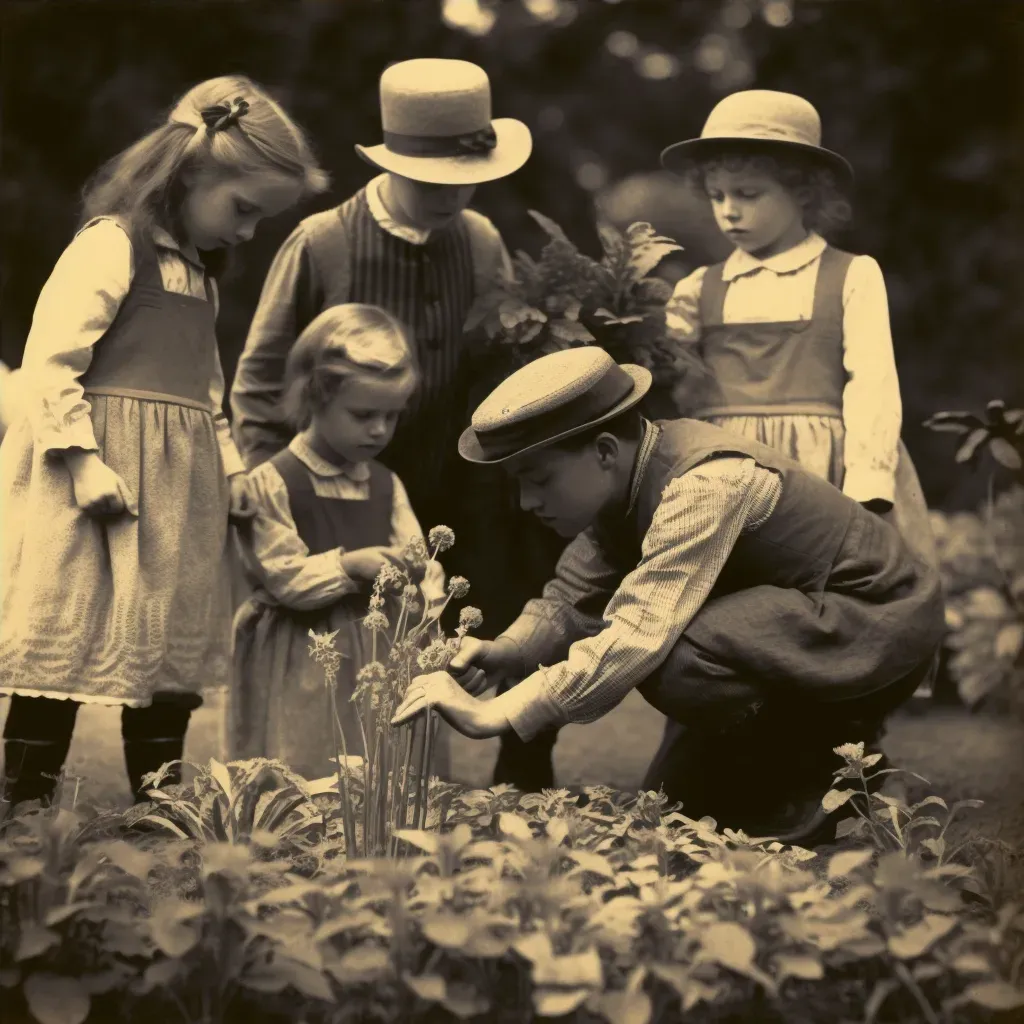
x=758, y=119
x=437, y=125
x=549, y=400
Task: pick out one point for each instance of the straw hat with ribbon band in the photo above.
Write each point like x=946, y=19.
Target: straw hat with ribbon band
x=757, y=119
x=550, y=399
x=437, y=126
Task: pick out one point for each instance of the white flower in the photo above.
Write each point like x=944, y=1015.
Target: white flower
x=458, y=586
x=441, y=538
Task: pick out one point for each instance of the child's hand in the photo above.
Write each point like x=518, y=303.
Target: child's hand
x=366, y=563
x=242, y=508
x=99, y=491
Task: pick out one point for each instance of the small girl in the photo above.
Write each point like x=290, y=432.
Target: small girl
x=328, y=517
x=119, y=477
x=794, y=333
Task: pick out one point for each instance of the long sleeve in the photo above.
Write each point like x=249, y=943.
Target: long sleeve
x=682, y=311
x=278, y=557
x=229, y=453
x=571, y=606
x=75, y=308
x=692, y=533
x=290, y=299
x=872, y=410
x=405, y=527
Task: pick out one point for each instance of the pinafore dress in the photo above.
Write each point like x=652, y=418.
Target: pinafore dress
x=112, y=610
x=280, y=706
x=782, y=383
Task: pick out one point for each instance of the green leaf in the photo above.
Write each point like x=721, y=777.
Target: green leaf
x=975, y=439
x=56, y=999
x=360, y=965
x=571, y=332
x=515, y=826
x=919, y=938
x=430, y=988
x=848, y=861
x=729, y=944
x=572, y=971
x=835, y=798
x=534, y=946
x=1005, y=453
x=971, y=963
x=1009, y=640
x=622, y=1007
x=550, y=227
x=557, y=1002
x=422, y=840
x=953, y=422
x=34, y=940
x=168, y=927
x=58, y=914
x=995, y=995
x=592, y=862
x=303, y=978
x=791, y=965
x=449, y=931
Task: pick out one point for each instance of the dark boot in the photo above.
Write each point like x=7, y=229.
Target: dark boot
x=37, y=738
x=155, y=735
x=527, y=766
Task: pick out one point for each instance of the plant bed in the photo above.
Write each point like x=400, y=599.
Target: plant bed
x=583, y=906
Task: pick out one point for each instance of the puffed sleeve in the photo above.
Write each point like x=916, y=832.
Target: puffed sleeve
x=682, y=311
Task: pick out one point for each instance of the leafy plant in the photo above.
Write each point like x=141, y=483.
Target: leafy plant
x=566, y=299
x=255, y=801
x=396, y=769
x=1001, y=433
x=982, y=561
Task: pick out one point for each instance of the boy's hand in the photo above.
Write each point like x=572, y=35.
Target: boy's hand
x=477, y=719
x=99, y=491
x=366, y=563
x=481, y=664
x=242, y=508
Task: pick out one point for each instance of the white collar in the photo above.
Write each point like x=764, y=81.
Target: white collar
x=165, y=240
x=741, y=262
x=302, y=449
x=379, y=212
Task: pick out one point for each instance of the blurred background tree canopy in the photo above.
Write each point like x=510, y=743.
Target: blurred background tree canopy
x=923, y=96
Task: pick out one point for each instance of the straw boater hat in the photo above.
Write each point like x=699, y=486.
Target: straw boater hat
x=436, y=116
x=550, y=399
x=758, y=119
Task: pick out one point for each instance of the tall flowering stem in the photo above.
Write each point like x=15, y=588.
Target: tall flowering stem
x=406, y=639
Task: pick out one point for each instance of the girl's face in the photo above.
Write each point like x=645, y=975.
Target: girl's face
x=426, y=206
x=221, y=210
x=360, y=420
x=754, y=211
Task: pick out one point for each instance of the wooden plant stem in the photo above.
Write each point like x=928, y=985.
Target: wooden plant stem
x=420, y=816
x=347, y=817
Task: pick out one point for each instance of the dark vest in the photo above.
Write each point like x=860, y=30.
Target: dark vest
x=326, y=523
x=816, y=539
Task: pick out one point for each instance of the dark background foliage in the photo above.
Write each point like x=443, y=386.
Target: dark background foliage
x=923, y=96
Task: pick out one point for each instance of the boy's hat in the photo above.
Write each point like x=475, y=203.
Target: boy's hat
x=436, y=116
x=550, y=399
x=758, y=118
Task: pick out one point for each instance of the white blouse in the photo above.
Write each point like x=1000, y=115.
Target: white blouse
x=279, y=559
x=781, y=288
x=75, y=308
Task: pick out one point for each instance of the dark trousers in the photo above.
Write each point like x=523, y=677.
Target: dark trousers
x=751, y=754
x=38, y=733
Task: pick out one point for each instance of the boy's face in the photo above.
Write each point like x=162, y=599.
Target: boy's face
x=754, y=211
x=568, y=489
x=426, y=206
x=359, y=422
